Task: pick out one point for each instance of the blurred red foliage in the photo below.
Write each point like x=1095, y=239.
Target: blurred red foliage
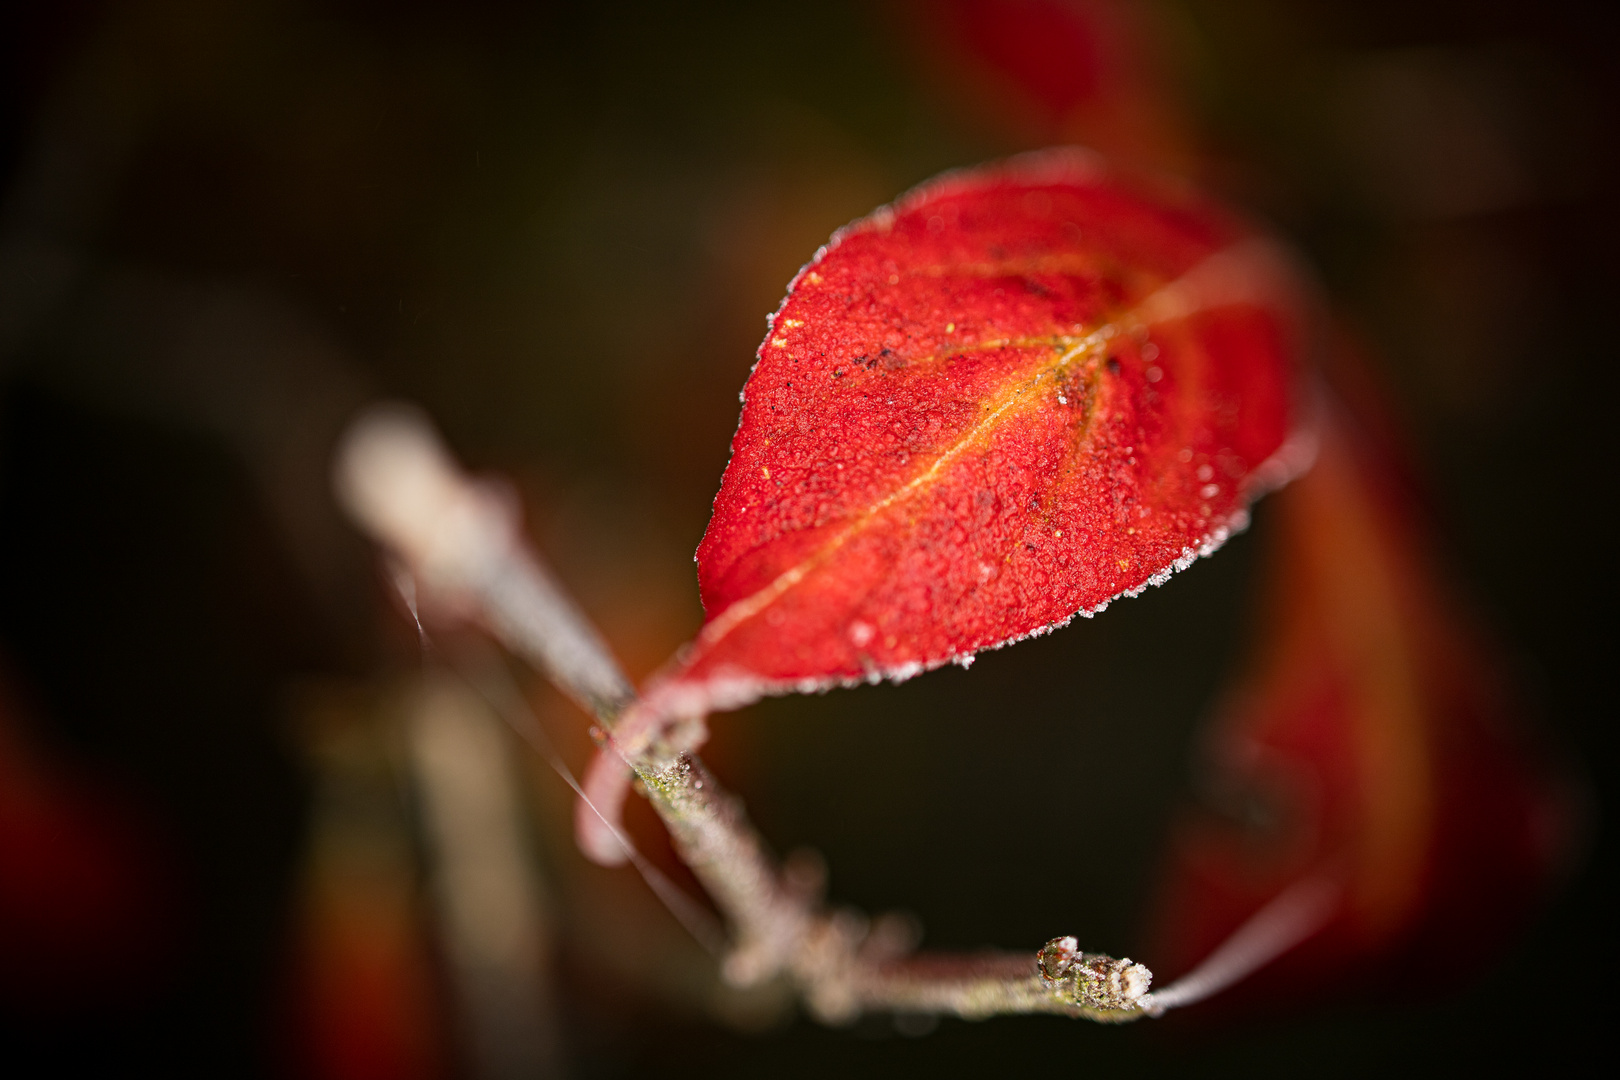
x=86, y=889
x=1375, y=740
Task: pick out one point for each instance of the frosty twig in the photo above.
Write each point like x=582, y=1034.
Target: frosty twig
x=461, y=544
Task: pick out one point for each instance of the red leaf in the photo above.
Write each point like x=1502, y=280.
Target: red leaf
x=1019, y=392
x=1057, y=52
x=1087, y=71
x=1016, y=394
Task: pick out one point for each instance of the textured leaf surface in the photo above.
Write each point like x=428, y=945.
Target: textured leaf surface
x=1014, y=395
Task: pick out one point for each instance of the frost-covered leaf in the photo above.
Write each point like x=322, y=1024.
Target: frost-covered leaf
x=1017, y=393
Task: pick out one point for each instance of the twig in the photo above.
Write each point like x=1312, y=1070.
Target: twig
x=463, y=546
x=490, y=896
x=462, y=543
x=842, y=964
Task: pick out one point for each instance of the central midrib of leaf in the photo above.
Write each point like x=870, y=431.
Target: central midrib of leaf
x=1020, y=392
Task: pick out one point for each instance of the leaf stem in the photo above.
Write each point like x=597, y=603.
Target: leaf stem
x=462, y=545
x=841, y=962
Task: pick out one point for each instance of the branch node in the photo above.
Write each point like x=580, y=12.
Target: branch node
x=1092, y=980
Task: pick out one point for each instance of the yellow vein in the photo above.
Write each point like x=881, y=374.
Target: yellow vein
x=751, y=605
x=1184, y=296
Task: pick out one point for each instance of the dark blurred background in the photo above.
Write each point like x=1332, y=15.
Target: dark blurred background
x=226, y=225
